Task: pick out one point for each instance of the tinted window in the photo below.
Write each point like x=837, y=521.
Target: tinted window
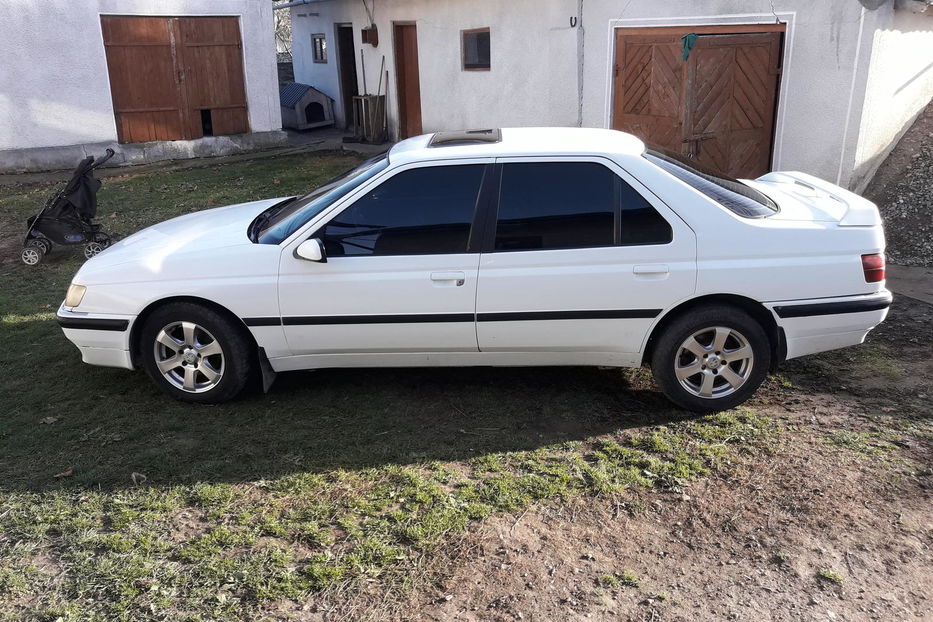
x=551, y=205
x=417, y=212
x=641, y=223
x=730, y=193
x=554, y=205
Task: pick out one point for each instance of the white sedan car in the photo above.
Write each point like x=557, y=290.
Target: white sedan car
x=512, y=247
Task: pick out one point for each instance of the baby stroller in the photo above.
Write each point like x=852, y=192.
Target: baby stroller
x=66, y=218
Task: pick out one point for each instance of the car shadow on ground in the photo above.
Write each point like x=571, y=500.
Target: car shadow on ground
x=310, y=422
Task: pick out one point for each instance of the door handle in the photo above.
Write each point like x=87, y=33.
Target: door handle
x=651, y=270
x=448, y=278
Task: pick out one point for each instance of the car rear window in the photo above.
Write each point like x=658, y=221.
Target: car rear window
x=730, y=193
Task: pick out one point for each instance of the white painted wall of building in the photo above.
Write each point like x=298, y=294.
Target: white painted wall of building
x=533, y=75
x=899, y=85
x=54, y=86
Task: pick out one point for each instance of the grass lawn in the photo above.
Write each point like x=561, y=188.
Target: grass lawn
x=173, y=511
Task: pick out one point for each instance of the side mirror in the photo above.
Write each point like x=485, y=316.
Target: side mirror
x=312, y=249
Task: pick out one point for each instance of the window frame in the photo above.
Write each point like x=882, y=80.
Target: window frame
x=463, y=36
x=491, y=217
x=322, y=59
x=475, y=240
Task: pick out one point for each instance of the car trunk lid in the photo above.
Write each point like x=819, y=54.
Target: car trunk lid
x=803, y=197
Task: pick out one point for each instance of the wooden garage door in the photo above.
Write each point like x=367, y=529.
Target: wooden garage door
x=175, y=78
x=716, y=108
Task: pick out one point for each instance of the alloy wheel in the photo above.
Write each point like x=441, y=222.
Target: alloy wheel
x=189, y=357
x=714, y=362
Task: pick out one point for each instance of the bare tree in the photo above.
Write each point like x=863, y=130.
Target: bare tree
x=283, y=30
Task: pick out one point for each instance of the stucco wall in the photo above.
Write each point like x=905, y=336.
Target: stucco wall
x=533, y=75
x=54, y=87
x=899, y=85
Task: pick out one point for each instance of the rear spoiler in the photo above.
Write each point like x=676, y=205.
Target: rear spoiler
x=860, y=212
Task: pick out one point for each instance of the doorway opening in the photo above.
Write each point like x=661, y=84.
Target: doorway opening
x=346, y=68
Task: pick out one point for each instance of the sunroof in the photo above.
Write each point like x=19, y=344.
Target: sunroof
x=465, y=137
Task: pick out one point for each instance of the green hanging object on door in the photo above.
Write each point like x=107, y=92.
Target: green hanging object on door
x=689, y=41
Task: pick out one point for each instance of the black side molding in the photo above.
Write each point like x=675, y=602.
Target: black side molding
x=833, y=308
x=87, y=323
x=512, y=316
x=319, y=320
x=600, y=314
x=262, y=321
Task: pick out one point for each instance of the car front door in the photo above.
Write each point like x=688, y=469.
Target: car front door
x=400, y=272
x=580, y=258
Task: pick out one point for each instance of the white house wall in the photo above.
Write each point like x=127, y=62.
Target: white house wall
x=54, y=85
x=899, y=85
x=533, y=75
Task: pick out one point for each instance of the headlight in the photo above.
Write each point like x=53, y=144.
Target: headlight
x=75, y=295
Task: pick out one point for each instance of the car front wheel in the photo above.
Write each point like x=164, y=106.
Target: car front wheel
x=711, y=359
x=195, y=354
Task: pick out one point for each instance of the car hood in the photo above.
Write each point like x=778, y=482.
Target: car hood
x=205, y=244
x=197, y=232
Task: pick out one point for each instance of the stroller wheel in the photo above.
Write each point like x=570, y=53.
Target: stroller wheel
x=103, y=239
x=32, y=254
x=92, y=248
x=45, y=243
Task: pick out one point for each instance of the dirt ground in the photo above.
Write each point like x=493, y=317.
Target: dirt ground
x=749, y=545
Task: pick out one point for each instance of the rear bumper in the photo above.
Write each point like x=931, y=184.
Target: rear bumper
x=812, y=326
x=102, y=339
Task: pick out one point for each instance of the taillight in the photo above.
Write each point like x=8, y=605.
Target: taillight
x=873, y=267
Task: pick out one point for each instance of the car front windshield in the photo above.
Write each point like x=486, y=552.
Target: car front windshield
x=289, y=216
x=732, y=194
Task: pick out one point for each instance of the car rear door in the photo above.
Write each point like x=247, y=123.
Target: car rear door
x=578, y=257
x=401, y=268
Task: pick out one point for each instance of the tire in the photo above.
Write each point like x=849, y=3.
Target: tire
x=726, y=349
x=205, y=357
x=92, y=249
x=33, y=252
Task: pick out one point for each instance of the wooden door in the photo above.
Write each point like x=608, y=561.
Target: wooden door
x=650, y=94
x=407, y=80
x=716, y=108
x=147, y=99
x=210, y=53
x=731, y=97
x=175, y=78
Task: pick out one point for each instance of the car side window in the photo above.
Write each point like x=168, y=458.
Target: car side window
x=417, y=212
x=564, y=205
x=639, y=222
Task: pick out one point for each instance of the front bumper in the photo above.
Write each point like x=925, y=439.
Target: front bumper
x=818, y=325
x=103, y=339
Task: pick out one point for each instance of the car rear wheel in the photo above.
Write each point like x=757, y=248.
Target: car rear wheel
x=711, y=359
x=195, y=354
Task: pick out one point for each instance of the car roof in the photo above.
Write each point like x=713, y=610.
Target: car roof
x=520, y=141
